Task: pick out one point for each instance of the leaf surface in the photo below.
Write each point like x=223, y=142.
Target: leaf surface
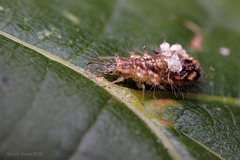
x=51, y=108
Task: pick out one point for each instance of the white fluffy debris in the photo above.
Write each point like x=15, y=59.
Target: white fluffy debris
x=173, y=55
x=165, y=46
x=174, y=63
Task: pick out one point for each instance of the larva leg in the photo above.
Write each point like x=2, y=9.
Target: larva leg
x=120, y=79
x=141, y=85
x=161, y=87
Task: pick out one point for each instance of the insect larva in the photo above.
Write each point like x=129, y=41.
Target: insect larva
x=171, y=65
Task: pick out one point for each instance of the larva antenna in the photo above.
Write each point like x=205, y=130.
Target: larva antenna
x=99, y=63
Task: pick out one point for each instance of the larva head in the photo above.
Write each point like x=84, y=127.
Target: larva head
x=110, y=68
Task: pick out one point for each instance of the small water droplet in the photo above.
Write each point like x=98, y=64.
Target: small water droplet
x=224, y=51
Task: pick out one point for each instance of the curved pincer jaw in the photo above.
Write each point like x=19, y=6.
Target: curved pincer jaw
x=108, y=67
x=99, y=63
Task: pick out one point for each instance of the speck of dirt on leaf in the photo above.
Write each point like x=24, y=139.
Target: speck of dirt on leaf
x=99, y=78
x=128, y=95
x=211, y=84
x=71, y=17
x=26, y=19
x=70, y=42
x=45, y=33
x=196, y=42
x=4, y=79
x=211, y=68
x=224, y=51
x=1, y=8
x=137, y=132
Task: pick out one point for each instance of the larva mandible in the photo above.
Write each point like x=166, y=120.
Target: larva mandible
x=171, y=65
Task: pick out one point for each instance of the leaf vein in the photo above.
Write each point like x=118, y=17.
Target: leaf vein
x=99, y=35
x=89, y=128
x=13, y=15
x=22, y=116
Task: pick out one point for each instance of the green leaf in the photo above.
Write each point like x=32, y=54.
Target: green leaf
x=52, y=108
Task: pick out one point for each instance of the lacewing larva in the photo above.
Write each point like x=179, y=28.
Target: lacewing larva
x=171, y=65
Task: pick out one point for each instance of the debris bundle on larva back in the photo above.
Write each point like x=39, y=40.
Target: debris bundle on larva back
x=171, y=65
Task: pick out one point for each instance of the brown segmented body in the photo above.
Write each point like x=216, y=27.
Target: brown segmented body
x=171, y=65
